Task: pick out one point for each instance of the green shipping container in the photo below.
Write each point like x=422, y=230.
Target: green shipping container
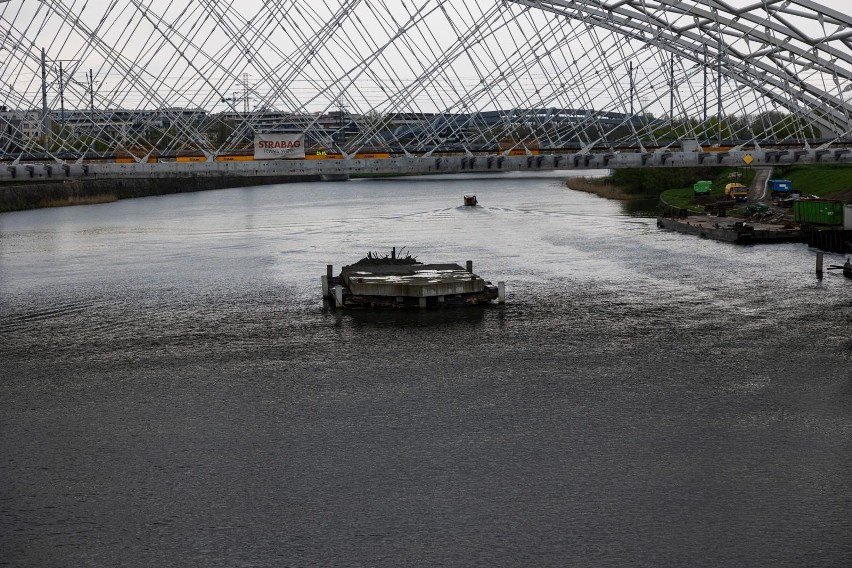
x=702, y=187
x=818, y=212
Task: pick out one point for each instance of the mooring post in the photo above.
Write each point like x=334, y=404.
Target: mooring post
x=324, y=280
x=393, y=253
x=501, y=292
x=819, y=263
x=338, y=296
x=329, y=268
x=470, y=266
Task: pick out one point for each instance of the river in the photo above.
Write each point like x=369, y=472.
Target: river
x=174, y=391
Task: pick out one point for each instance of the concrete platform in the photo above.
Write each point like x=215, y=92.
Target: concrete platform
x=399, y=285
x=411, y=281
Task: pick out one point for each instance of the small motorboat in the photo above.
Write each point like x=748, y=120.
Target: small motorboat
x=470, y=200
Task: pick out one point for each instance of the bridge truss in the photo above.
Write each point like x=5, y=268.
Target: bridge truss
x=590, y=80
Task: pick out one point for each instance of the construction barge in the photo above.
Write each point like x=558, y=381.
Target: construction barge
x=403, y=282
x=724, y=229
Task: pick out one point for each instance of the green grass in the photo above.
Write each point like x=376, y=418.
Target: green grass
x=681, y=198
x=823, y=181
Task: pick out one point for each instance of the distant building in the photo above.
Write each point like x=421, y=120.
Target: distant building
x=115, y=124
x=18, y=128
x=319, y=128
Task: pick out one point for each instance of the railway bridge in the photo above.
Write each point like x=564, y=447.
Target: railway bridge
x=270, y=89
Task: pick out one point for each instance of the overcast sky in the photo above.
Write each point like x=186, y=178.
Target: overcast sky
x=218, y=61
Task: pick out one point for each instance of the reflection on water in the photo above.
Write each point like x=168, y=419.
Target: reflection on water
x=449, y=317
x=175, y=392
x=645, y=207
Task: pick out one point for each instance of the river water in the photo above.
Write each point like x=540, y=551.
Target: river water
x=174, y=391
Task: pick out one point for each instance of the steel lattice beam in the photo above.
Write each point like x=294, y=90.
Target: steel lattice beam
x=479, y=77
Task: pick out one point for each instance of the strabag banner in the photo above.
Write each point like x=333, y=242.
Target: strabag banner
x=278, y=146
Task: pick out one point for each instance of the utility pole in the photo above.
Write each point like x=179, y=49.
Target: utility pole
x=44, y=121
x=705, y=87
x=719, y=92
x=61, y=98
x=236, y=96
x=671, y=89
x=92, y=91
x=91, y=78
x=245, y=93
x=632, y=90
x=342, y=130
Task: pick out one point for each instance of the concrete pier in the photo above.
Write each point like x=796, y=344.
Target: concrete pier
x=730, y=230
x=413, y=281
x=396, y=283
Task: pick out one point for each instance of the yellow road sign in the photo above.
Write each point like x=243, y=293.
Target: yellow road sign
x=747, y=159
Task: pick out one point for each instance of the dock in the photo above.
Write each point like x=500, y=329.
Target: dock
x=393, y=282
x=730, y=230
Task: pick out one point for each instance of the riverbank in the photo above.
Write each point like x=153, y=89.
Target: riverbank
x=600, y=187
x=685, y=213
x=60, y=193
x=825, y=181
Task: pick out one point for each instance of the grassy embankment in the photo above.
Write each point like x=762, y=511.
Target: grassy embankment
x=642, y=183
x=830, y=182
x=674, y=185
x=827, y=181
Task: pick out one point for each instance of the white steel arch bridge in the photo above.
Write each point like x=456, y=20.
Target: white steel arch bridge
x=187, y=87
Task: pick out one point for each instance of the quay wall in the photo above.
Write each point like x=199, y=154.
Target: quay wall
x=837, y=240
